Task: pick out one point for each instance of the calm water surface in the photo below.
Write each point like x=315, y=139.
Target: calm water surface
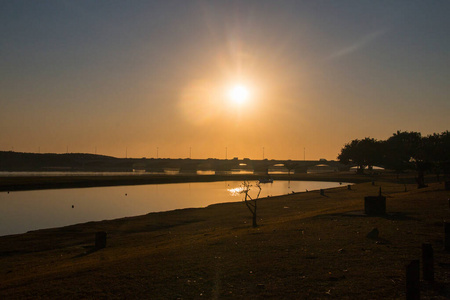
x=30, y=210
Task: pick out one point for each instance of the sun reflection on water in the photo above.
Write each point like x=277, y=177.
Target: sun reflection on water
x=236, y=191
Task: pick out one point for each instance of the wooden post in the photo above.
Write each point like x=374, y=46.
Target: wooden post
x=413, y=280
x=447, y=236
x=427, y=262
x=322, y=192
x=349, y=187
x=100, y=240
x=447, y=185
x=375, y=205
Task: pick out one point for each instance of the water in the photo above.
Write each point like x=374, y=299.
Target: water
x=30, y=210
x=66, y=173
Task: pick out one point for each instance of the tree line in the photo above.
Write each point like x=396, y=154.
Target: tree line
x=403, y=151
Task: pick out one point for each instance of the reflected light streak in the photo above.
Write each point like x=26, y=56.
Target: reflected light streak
x=236, y=191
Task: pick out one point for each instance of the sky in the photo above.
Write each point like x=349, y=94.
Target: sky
x=152, y=78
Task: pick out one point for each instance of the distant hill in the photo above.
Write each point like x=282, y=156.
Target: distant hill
x=19, y=161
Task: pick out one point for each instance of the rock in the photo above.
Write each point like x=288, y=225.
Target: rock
x=373, y=234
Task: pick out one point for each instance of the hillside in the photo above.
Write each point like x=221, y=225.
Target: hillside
x=18, y=161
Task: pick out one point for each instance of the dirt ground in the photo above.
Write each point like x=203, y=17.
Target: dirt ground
x=307, y=246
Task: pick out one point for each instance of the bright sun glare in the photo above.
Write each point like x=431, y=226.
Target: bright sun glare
x=239, y=94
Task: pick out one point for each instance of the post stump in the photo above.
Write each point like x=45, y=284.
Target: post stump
x=413, y=280
x=447, y=185
x=447, y=236
x=427, y=262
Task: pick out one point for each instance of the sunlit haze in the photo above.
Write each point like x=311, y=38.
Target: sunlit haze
x=239, y=94
x=201, y=79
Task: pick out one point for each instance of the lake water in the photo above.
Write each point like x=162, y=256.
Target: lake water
x=30, y=210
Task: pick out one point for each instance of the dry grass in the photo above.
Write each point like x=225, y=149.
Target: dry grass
x=307, y=246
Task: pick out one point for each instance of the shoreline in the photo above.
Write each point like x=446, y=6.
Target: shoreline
x=236, y=200
x=27, y=183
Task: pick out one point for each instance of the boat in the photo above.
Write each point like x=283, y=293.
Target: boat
x=266, y=180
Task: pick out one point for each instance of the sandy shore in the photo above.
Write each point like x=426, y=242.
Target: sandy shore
x=307, y=246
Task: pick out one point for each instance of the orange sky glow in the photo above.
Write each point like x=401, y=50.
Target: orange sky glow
x=153, y=78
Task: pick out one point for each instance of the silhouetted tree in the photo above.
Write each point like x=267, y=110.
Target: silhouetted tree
x=436, y=152
x=445, y=152
x=363, y=153
x=250, y=202
x=405, y=150
x=401, y=149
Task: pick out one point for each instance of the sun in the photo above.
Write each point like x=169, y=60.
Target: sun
x=239, y=94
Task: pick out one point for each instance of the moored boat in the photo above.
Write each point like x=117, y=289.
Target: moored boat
x=266, y=180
